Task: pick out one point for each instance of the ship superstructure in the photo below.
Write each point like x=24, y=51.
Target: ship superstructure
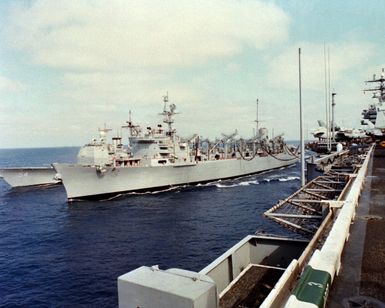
x=374, y=116
x=157, y=158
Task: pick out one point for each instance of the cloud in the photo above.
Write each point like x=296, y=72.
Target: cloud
x=114, y=35
x=124, y=90
x=107, y=57
x=9, y=85
x=283, y=68
x=349, y=61
x=88, y=62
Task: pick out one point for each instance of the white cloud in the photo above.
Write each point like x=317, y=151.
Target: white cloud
x=124, y=90
x=90, y=61
x=283, y=71
x=349, y=61
x=9, y=85
x=108, y=57
x=113, y=35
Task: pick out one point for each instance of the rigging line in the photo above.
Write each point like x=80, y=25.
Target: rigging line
x=248, y=159
x=290, y=152
x=267, y=152
x=277, y=158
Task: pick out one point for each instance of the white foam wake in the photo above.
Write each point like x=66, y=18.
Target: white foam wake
x=244, y=183
x=289, y=178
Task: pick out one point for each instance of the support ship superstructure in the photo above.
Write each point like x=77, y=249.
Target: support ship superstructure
x=157, y=159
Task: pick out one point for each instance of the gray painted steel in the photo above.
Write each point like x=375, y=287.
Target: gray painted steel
x=82, y=181
x=28, y=176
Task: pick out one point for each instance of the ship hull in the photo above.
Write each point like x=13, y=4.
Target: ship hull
x=29, y=176
x=83, y=182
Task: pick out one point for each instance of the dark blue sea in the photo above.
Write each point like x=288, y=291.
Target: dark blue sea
x=54, y=253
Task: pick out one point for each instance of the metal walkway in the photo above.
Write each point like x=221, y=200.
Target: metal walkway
x=305, y=210
x=362, y=276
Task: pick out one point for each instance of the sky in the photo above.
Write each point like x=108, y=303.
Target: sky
x=70, y=67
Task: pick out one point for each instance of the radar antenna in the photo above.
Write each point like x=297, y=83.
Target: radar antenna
x=134, y=129
x=168, y=113
x=165, y=100
x=379, y=91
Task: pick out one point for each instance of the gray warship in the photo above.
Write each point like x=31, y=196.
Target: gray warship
x=158, y=159
x=29, y=176
x=44, y=176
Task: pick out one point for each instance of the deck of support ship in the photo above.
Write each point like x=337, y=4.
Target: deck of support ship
x=362, y=276
x=342, y=264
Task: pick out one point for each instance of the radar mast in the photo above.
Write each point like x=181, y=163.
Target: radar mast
x=134, y=129
x=168, y=113
x=379, y=91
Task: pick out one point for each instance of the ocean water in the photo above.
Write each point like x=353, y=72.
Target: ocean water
x=59, y=254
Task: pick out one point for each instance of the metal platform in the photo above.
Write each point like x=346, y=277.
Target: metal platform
x=305, y=210
x=361, y=281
